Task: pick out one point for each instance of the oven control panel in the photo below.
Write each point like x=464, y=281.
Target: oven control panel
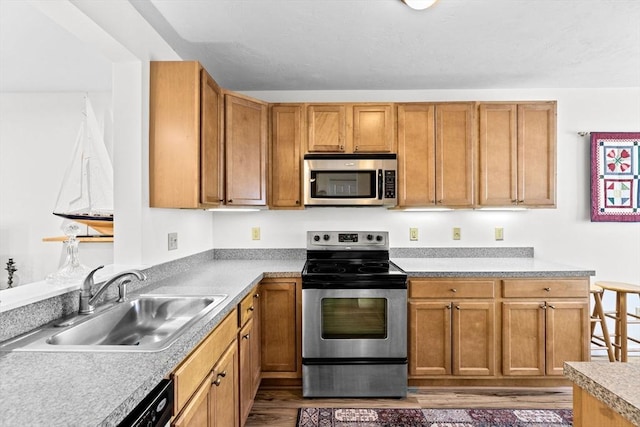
x=344, y=240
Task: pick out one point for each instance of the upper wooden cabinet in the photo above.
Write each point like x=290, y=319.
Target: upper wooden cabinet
x=287, y=121
x=185, y=136
x=435, y=154
x=246, y=150
x=348, y=128
x=517, y=150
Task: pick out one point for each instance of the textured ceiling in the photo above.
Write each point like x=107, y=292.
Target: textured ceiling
x=383, y=44
x=351, y=44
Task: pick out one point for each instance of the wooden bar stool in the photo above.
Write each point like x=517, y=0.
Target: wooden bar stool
x=621, y=317
x=598, y=317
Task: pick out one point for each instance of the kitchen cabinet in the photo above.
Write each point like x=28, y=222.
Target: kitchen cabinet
x=436, y=161
x=245, y=150
x=350, y=128
x=287, y=123
x=451, y=327
x=249, y=351
x=206, y=382
x=281, y=319
x=545, y=323
x=185, y=136
x=517, y=154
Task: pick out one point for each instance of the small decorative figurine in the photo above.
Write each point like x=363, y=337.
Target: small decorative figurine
x=11, y=268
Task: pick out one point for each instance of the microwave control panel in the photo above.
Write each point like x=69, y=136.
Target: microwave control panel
x=390, y=184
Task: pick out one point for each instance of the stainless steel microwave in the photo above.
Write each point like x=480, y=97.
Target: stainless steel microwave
x=350, y=179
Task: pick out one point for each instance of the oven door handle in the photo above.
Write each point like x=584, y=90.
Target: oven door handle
x=380, y=184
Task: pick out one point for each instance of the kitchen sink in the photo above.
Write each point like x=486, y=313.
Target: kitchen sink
x=146, y=323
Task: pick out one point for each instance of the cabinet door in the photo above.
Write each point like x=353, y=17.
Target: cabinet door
x=326, y=127
x=429, y=338
x=568, y=334
x=224, y=395
x=373, y=128
x=246, y=151
x=537, y=154
x=498, y=155
x=454, y=156
x=247, y=338
x=197, y=412
x=174, y=134
x=211, y=140
x=474, y=338
x=281, y=324
x=523, y=338
x=416, y=155
x=286, y=143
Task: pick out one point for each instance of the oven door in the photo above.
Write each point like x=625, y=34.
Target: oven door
x=354, y=323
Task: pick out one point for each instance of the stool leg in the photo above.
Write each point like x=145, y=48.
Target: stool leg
x=598, y=311
x=622, y=312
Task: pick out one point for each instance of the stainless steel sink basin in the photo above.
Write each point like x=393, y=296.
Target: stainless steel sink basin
x=147, y=323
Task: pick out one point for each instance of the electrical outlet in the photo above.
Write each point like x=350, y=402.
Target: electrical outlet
x=413, y=234
x=499, y=233
x=255, y=233
x=456, y=233
x=173, y=241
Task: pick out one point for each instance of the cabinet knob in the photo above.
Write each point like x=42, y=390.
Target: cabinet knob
x=217, y=382
x=439, y=202
x=252, y=308
x=297, y=202
x=547, y=289
x=356, y=149
x=230, y=201
x=256, y=296
x=246, y=337
x=520, y=201
x=342, y=147
x=543, y=306
x=515, y=202
x=454, y=290
x=222, y=374
x=457, y=307
x=449, y=306
x=552, y=306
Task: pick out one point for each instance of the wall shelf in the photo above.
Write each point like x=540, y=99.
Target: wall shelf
x=82, y=239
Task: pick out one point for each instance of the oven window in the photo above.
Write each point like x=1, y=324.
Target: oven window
x=340, y=184
x=349, y=318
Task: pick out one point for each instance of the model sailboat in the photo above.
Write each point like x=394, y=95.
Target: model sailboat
x=86, y=194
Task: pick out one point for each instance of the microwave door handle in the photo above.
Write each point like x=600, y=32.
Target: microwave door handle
x=380, y=185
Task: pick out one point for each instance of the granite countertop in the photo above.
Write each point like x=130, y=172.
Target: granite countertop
x=488, y=267
x=614, y=384
x=99, y=388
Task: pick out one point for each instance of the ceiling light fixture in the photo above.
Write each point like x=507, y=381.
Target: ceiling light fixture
x=419, y=4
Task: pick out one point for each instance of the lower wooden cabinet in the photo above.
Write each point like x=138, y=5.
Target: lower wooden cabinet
x=206, y=382
x=281, y=321
x=451, y=336
x=249, y=351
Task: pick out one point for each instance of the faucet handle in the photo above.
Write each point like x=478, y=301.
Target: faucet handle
x=122, y=290
x=88, y=281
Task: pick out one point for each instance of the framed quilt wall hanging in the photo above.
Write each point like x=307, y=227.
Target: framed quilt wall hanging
x=615, y=176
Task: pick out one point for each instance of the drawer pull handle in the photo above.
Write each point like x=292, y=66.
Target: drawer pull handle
x=454, y=290
x=547, y=289
x=219, y=378
x=251, y=308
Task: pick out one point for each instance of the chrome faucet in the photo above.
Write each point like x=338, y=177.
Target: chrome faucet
x=87, y=298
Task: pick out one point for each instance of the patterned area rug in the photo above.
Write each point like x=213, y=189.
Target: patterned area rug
x=362, y=417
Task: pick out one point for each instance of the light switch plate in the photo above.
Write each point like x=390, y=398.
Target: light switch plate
x=255, y=233
x=499, y=233
x=413, y=234
x=456, y=233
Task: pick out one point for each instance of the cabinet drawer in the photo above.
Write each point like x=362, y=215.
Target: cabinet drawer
x=547, y=288
x=421, y=288
x=248, y=306
x=195, y=367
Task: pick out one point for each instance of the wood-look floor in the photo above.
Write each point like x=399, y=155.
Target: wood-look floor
x=279, y=408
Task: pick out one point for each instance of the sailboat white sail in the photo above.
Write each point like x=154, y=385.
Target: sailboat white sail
x=86, y=193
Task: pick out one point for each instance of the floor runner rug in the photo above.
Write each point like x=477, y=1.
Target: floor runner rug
x=366, y=417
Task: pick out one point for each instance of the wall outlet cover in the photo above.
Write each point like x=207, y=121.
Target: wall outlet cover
x=255, y=233
x=172, y=241
x=456, y=233
x=413, y=234
x=499, y=232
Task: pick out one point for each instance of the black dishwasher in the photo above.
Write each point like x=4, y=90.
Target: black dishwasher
x=154, y=410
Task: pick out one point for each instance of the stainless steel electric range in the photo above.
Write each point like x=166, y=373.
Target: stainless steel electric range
x=354, y=317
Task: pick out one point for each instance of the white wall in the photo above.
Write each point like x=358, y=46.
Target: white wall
x=37, y=134
x=564, y=235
